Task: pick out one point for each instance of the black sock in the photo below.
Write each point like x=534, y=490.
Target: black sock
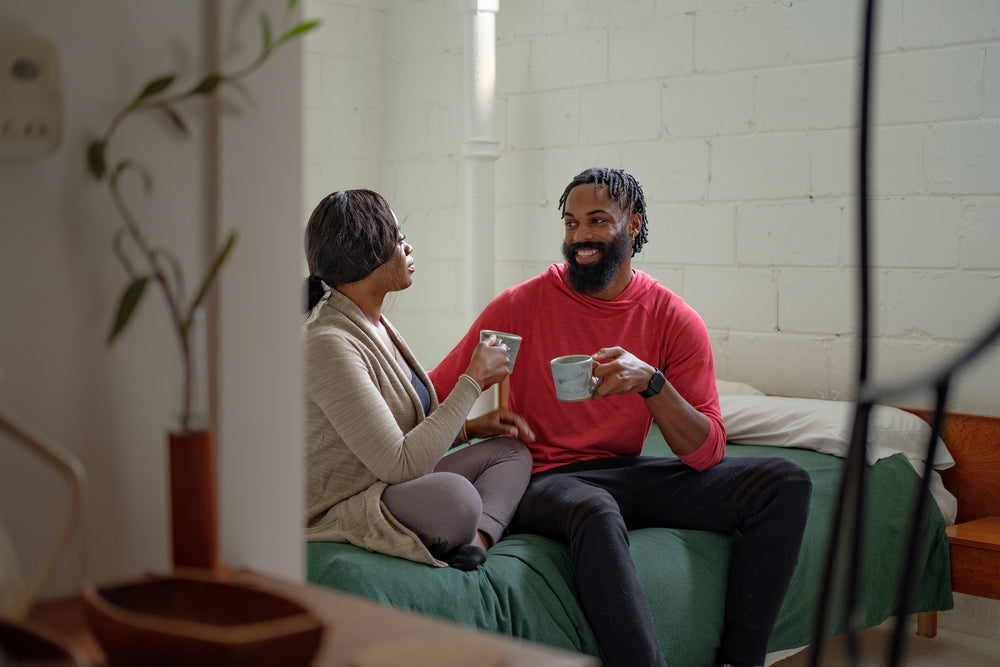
x=465, y=557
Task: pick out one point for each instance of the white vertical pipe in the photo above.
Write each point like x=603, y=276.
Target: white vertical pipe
x=480, y=149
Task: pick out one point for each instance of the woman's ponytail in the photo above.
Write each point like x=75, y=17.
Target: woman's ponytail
x=315, y=289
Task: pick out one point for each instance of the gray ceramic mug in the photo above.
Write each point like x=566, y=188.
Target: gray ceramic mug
x=512, y=341
x=573, y=376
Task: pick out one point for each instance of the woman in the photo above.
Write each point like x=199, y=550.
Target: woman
x=375, y=433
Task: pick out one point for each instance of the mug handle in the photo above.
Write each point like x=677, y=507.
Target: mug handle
x=595, y=382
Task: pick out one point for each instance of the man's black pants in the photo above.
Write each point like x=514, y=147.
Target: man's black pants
x=591, y=505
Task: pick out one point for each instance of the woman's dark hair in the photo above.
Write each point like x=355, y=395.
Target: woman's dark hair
x=623, y=189
x=350, y=234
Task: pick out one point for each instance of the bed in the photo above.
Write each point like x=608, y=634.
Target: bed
x=526, y=587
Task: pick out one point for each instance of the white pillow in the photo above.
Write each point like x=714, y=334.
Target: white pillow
x=825, y=426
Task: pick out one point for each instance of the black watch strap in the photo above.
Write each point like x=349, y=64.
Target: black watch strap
x=655, y=385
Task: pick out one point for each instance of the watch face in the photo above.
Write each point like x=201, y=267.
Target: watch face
x=655, y=385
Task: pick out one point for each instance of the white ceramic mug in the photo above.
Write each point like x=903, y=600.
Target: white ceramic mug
x=573, y=376
x=512, y=341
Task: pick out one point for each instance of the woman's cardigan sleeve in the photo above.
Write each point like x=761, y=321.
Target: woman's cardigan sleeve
x=374, y=415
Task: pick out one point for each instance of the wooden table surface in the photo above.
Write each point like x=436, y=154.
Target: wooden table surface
x=355, y=627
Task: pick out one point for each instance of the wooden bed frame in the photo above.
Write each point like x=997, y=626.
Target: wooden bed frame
x=974, y=443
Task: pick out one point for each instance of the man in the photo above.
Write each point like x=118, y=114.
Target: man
x=589, y=485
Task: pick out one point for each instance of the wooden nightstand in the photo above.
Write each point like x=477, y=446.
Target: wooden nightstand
x=975, y=557
x=974, y=442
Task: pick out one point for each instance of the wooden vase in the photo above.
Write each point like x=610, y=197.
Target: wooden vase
x=194, y=505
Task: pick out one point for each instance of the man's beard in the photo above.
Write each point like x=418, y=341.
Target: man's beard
x=595, y=278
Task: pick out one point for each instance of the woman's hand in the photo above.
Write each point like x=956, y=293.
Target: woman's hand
x=500, y=422
x=489, y=362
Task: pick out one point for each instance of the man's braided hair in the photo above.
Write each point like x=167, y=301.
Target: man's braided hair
x=623, y=189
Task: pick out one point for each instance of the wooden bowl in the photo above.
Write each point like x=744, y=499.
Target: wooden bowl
x=199, y=620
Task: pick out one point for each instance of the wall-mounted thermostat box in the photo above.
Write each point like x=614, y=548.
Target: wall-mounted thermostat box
x=30, y=97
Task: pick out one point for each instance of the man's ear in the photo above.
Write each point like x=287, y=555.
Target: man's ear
x=634, y=224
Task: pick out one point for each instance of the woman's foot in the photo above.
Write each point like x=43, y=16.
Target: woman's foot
x=465, y=557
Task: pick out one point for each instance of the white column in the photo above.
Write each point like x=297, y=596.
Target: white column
x=479, y=149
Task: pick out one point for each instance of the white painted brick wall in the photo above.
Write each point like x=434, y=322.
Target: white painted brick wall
x=705, y=106
x=676, y=170
x=818, y=30
x=625, y=113
x=832, y=163
x=812, y=301
x=963, y=157
x=932, y=23
x=750, y=303
x=897, y=160
x=651, y=48
x=991, y=82
x=543, y=120
x=697, y=233
x=935, y=85
x=934, y=304
x=569, y=59
x=791, y=233
x=529, y=233
x=760, y=166
x=917, y=232
x=804, y=98
x=751, y=36
x=343, y=124
x=979, y=234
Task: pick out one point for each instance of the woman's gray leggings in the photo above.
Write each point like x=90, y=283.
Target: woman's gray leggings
x=475, y=488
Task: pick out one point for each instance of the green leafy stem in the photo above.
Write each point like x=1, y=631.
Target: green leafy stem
x=143, y=262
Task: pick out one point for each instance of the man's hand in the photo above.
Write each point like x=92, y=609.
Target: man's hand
x=620, y=372
x=682, y=426
x=500, y=422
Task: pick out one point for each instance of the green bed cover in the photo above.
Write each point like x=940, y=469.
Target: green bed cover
x=526, y=589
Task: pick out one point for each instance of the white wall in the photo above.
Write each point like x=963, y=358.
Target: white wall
x=113, y=406
x=260, y=374
x=738, y=117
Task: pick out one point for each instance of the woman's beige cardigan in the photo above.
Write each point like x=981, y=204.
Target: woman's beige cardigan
x=365, y=429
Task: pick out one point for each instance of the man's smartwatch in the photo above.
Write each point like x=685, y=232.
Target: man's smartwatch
x=655, y=385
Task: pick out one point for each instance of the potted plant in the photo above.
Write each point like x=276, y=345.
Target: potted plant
x=192, y=449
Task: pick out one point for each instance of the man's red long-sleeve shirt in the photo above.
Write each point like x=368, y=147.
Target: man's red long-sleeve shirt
x=553, y=319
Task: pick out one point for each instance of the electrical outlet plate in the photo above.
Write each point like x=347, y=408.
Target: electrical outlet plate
x=30, y=97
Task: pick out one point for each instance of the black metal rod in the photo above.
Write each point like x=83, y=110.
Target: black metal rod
x=904, y=600
x=848, y=529
x=850, y=501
